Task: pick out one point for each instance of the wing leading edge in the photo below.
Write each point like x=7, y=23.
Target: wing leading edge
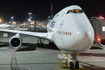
x=36, y=34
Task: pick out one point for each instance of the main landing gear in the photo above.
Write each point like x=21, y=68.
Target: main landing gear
x=40, y=42
x=74, y=63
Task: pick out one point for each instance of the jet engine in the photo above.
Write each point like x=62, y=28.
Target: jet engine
x=15, y=41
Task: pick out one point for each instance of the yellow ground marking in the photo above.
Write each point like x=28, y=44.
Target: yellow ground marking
x=80, y=66
x=21, y=48
x=29, y=52
x=23, y=54
x=65, y=56
x=56, y=67
x=62, y=69
x=38, y=57
x=35, y=51
x=83, y=61
x=55, y=61
x=33, y=54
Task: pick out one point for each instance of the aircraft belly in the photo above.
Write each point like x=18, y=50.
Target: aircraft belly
x=66, y=43
x=69, y=43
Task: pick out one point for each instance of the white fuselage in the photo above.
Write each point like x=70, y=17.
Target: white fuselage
x=71, y=30
x=4, y=26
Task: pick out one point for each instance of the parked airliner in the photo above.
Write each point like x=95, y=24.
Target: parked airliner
x=5, y=25
x=70, y=30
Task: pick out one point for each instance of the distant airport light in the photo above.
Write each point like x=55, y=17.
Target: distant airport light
x=99, y=40
x=0, y=20
x=29, y=13
x=12, y=18
x=102, y=18
x=48, y=17
x=30, y=16
x=29, y=19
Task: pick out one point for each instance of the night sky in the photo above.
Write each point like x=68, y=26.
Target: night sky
x=41, y=9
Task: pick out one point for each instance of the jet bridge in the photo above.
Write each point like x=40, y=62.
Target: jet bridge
x=98, y=24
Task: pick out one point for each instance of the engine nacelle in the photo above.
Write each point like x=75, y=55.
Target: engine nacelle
x=15, y=41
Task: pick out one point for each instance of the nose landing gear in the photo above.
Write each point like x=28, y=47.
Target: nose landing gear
x=74, y=63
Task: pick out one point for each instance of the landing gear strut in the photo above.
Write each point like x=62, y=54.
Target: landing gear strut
x=74, y=63
x=40, y=42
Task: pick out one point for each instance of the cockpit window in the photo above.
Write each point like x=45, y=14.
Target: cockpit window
x=80, y=11
x=75, y=11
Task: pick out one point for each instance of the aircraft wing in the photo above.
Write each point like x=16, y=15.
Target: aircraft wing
x=36, y=34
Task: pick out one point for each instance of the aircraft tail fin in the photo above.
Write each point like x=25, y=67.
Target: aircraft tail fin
x=9, y=23
x=51, y=10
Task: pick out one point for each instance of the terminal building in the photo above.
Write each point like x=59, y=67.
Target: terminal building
x=27, y=25
x=98, y=24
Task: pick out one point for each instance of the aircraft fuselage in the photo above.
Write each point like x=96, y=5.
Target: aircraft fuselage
x=71, y=30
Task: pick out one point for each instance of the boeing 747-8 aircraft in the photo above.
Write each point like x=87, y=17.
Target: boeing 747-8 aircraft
x=70, y=30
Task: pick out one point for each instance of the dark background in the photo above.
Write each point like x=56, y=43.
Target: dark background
x=41, y=9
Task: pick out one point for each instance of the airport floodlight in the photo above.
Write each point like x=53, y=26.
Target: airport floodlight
x=29, y=19
x=48, y=17
x=101, y=17
x=30, y=16
x=29, y=13
x=12, y=18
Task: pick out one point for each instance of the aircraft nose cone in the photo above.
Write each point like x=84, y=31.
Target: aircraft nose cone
x=84, y=37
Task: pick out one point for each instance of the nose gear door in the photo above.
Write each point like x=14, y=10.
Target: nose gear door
x=62, y=42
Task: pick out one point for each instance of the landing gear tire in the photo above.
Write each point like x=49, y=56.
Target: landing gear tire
x=38, y=45
x=49, y=43
x=71, y=65
x=32, y=48
x=41, y=44
x=77, y=65
x=74, y=63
